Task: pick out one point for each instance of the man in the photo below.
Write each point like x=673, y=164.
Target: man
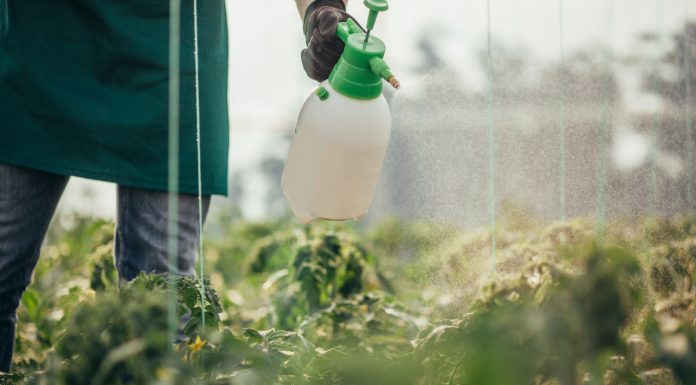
x=84, y=91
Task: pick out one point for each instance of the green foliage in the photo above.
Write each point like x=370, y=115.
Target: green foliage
x=671, y=326
x=120, y=338
x=325, y=269
x=104, y=273
x=674, y=269
x=203, y=312
x=321, y=268
x=59, y=286
x=401, y=304
x=576, y=321
x=120, y=335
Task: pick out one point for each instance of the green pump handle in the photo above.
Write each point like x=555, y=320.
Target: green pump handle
x=375, y=6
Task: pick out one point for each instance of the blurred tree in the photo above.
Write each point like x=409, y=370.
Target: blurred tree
x=431, y=58
x=670, y=79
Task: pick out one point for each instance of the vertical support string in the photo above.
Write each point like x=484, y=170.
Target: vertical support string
x=201, y=256
x=173, y=174
x=654, y=124
x=604, y=133
x=689, y=116
x=562, y=117
x=491, y=141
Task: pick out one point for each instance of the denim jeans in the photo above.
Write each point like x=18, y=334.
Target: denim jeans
x=28, y=199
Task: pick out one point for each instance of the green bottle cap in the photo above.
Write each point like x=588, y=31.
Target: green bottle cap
x=361, y=68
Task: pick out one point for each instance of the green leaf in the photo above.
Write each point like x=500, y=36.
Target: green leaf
x=252, y=335
x=189, y=295
x=192, y=326
x=211, y=319
x=275, y=334
x=30, y=300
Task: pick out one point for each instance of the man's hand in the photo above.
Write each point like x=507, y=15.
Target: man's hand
x=324, y=48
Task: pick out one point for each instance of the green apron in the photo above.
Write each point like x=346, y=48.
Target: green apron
x=84, y=90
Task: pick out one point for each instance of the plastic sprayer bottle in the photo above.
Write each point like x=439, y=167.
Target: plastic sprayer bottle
x=342, y=132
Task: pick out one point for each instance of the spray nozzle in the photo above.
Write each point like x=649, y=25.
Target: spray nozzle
x=381, y=69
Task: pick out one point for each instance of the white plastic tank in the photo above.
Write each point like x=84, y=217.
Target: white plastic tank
x=336, y=155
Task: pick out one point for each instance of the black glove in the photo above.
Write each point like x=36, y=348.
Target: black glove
x=324, y=48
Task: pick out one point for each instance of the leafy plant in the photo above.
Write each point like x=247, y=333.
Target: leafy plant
x=406, y=303
x=203, y=314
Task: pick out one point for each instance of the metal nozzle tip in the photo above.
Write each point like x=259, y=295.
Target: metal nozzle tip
x=395, y=83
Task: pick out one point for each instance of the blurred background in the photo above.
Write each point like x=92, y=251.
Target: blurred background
x=602, y=84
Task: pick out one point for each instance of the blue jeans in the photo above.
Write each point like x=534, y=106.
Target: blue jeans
x=28, y=199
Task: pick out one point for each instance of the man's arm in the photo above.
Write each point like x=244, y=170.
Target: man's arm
x=303, y=4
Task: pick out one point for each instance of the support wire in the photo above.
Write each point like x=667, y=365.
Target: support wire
x=562, y=117
x=201, y=257
x=173, y=174
x=689, y=112
x=491, y=142
x=603, y=145
x=655, y=122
